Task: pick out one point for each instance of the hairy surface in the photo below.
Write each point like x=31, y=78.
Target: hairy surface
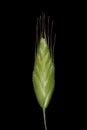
x=43, y=74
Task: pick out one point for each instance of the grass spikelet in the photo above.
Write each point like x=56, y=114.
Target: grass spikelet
x=44, y=70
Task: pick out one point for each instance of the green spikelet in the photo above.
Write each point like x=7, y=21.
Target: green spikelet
x=44, y=70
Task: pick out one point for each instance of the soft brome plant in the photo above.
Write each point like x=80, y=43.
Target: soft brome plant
x=44, y=70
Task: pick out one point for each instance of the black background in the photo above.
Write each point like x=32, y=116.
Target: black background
x=22, y=108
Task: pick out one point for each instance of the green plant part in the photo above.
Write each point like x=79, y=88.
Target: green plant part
x=44, y=69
